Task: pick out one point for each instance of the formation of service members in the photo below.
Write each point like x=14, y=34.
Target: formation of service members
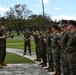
x=58, y=48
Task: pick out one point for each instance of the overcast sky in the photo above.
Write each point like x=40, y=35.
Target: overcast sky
x=57, y=9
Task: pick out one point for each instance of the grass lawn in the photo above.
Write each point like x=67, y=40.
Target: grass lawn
x=19, y=44
x=14, y=59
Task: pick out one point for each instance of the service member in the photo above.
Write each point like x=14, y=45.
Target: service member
x=64, y=41
x=2, y=45
x=71, y=48
x=37, y=43
x=50, y=67
x=27, y=42
x=56, y=49
x=43, y=48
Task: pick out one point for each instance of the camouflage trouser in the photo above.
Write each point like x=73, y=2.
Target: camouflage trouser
x=56, y=62
x=72, y=63
x=50, y=58
x=2, y=54
x=38, y=52
x=64, y=64
x=43, y=53
x=27, y=44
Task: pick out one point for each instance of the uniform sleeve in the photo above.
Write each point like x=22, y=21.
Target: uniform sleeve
x=58, y=37
x=1, y=33
x=75, y=39
x=44, y=38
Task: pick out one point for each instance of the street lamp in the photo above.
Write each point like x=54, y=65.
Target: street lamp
x=43, y=13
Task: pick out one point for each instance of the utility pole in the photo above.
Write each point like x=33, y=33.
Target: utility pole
x=43, y=14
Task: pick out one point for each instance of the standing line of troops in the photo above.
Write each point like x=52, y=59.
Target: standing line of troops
x=57, y=48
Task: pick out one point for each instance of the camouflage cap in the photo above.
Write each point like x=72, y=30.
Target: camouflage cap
x=63, y=21
x=55, y=26
x=42, y=30
x=49, y=29
x=72, y=22
x=3, y=25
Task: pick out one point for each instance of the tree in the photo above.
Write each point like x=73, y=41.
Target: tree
x=16, y=14
x=36, y=21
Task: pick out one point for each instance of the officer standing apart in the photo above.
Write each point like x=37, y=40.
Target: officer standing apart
x=27, y=42
x=2, y=45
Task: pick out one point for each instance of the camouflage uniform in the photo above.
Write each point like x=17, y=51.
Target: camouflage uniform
x=2, y=47
x=64, y=41
x=56, y=52
x=27, y=43
x=37, y=42
x=71, y=54
x=43, y=48
x=49, y=51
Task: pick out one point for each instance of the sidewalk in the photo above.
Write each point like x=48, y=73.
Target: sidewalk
x=23, y=69
x=32, y=57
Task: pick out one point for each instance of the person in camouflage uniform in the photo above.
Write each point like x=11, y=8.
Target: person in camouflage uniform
x=48, y=51
x=27, y=42
x=43, y=48
x=2, y=45
x=37, y=41
x=56, y=49
x=71, y=48
x=64, y=41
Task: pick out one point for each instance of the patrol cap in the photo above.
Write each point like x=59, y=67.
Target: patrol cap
x=63, y=21
x=42, y=30
x=72, y=22
x=55, y=26
x=49, y=29
x=3, y=25
x=59, y=28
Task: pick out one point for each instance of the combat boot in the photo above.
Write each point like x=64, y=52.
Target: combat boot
x=50, y=70
x=47, y=68
x=1, y=66
x=56, y=74
x=4, y=64
x=41, y=63
x=30, y=53
x=44, y=65
x=39, y=60
x=24, y=54
x=35, y=59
